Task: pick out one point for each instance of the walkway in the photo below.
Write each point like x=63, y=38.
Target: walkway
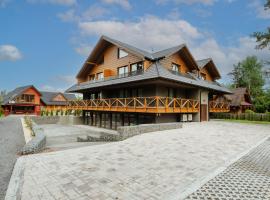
x=246, y=179
x=11, y=141
x=157, y=165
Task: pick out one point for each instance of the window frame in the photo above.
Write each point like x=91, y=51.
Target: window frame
x=97, y=76
x=125, y=67
x=119, y=53
x=175, y=65
x=137, y=64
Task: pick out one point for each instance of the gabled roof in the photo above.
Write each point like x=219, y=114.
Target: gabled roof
x=210, y=65
x=17, y=92
x=47, y=98
x=156, y=70
x=238, y=95
x=104, y=41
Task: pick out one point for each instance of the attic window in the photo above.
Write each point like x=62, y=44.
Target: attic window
x=175, y=67
x=203, y=76
x=122, y=53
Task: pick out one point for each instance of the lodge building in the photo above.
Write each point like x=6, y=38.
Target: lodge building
x=29, y=100
x=124, y=85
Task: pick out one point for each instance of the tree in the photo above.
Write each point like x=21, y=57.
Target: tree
x=248, y=73
x=263, y=38
x=2, y=94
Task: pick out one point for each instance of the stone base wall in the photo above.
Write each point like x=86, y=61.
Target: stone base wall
x=129, y=131
x=38, y=142
x=64, y=120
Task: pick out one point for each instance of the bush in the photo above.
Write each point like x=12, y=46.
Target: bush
x=29, y=124
x=250, y=112
x=51, y=114
x=1, y=111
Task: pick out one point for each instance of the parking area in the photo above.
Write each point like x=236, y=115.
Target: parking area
x=62, y=137
x=157, y=165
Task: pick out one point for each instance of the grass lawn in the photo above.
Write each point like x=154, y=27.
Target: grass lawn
x=245, y=121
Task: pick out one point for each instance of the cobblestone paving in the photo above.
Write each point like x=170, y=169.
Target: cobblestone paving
x=246, y=179
x=11, y=141
x=151, y=166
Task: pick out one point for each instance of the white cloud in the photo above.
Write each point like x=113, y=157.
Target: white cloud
x=258, y=6
x=84, y=49
x=149, y=32
x=58, y=2
x=91, y=13
x=123, y=3
x=190, y=2
x=9, y=53
x=59, y=83
x=50, y=88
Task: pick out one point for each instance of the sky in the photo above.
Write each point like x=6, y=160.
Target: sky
x=45, y=42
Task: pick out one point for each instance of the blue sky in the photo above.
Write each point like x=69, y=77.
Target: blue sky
x=45, y=42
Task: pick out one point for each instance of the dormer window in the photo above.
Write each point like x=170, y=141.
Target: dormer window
x=203, y=76
x=175, y=67
x=122, y=53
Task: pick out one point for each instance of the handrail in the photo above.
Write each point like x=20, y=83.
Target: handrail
x=217, y=106
x=154, y=104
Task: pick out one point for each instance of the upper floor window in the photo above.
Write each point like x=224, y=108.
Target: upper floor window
x=137, y=67
x=122, y=53
x=28, y=98
x=122, y=70
x=91, y=77
x=175, y=67
x=100, y=75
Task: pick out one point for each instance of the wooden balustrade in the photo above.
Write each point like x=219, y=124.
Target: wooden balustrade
x=215, y=106
x=138, y=104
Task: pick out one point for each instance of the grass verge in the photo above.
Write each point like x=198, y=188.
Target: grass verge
x=245, y=121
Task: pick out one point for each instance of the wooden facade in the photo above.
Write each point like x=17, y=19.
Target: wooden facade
x=168, y=98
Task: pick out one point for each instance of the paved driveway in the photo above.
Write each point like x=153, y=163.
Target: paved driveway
x=11, y=141
x=158, y=165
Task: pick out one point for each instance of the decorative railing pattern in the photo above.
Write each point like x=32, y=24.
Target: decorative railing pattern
x=138, y=104
x=215, y=106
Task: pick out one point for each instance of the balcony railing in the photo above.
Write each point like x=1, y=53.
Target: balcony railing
x=124, y=75
x=215, y=106
x=138, y=104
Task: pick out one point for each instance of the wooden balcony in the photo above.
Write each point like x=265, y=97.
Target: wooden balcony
x=215, y=107
x=138, y=104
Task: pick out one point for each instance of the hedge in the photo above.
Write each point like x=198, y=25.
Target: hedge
x=243, y=116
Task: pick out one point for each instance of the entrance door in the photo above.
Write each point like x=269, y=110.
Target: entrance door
x=204, y=112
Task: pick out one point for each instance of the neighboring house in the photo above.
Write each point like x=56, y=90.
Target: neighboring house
x=240, y=100
x=28, y=100
x=55, y=100
x=124, y=85
x=22, y=100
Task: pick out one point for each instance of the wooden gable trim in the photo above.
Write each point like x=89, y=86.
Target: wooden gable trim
x=100, y=47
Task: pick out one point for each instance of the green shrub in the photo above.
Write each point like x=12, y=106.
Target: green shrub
x=249, y=111
x=51, y=114
x=29, y=124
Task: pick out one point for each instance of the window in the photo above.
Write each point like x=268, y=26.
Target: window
x=203, y=76
x=122, y=71
x=100, y=76
x=175, y=67
x=91, y=77
x=28, y=98
x=122, y=53
x=137, y=67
